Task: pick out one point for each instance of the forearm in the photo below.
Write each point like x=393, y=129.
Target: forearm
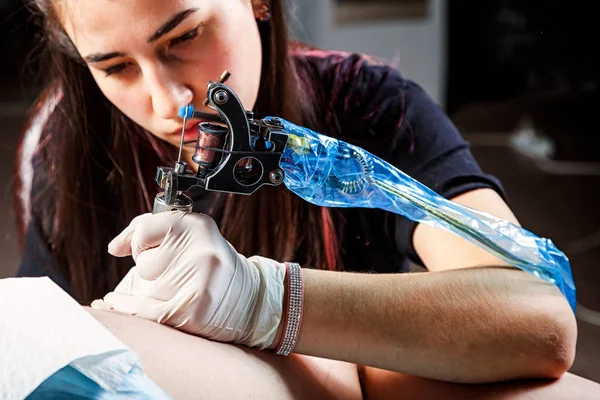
x=187, y=366
x=384, y=385
x=470, y=325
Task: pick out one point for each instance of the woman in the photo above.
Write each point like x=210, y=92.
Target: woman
x=119, y=71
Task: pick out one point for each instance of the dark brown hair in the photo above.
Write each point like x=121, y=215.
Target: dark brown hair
x=97, y=167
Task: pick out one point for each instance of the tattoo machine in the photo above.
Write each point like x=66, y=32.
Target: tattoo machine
x=237, y=153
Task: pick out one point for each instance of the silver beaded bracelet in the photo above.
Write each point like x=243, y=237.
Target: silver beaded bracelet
x=295, y=303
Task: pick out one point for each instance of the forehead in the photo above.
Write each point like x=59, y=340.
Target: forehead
x=94, y=25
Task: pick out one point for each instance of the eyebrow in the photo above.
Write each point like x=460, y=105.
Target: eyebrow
x=162, y=31
x=171, y=24
x=98, y=57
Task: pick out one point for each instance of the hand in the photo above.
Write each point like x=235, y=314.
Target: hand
x=189, y=277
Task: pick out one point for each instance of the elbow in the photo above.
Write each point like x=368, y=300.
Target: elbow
x=556, y=342
x=560, y=353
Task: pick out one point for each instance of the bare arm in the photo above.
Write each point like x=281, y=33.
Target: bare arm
x=187, y=366
x=455, y=323
x=386, y=385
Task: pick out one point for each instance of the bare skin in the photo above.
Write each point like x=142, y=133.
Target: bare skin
x=185, y=365
x=386, y=385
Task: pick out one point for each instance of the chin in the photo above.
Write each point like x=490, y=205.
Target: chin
x=168, y=139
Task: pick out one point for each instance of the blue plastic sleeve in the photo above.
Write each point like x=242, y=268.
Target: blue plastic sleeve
x=332, y=173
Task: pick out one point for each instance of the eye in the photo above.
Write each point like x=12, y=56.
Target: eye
x=115, y=69
x=186, y=37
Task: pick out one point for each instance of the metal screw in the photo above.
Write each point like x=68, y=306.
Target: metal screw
x=276, y=176
x=221, y=97
x=224, y=76
x=275, y=123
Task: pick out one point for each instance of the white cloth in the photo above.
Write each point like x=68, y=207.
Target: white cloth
x=43, y=330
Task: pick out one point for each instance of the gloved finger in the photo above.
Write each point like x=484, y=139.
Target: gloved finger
x=144, y=307
x=153, y=263
x=99, y=305
x=150, y=232
x=133, y=284
x=120, y=245
x=130, y=283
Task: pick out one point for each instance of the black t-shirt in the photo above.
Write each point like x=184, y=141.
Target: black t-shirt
x=375, y=107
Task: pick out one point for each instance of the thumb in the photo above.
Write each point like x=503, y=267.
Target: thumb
x=145, y=232
x=120, y=246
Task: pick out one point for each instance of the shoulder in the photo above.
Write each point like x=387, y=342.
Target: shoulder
x=365, y=101
x=350, y=79
x=344, y=68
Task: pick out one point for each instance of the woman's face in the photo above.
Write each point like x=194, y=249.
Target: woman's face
x=151, y=57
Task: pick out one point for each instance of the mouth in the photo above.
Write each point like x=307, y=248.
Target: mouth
x=191, y=131
x=190, y=135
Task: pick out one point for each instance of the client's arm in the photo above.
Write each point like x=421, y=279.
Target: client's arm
x=387, y=385
x=187, y=366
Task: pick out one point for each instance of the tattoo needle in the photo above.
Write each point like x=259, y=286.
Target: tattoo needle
x=182, y=137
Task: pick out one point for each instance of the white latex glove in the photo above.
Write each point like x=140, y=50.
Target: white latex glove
x=189, y=277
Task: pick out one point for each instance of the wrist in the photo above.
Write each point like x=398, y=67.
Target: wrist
x=269, y=307
x=280, y=328
x=283, y=320
x=293, y=310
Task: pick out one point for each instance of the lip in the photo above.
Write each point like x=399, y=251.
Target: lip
x=191, y=127
x=190, y=135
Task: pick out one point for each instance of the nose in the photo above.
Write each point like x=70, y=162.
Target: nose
x=168, y=93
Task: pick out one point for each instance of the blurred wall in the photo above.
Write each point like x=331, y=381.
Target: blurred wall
x=418, y=44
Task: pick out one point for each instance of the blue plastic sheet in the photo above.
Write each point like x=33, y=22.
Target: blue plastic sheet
x=332, y=173
x=70, y=383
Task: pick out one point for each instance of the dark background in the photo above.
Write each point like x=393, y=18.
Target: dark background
x=534, y=58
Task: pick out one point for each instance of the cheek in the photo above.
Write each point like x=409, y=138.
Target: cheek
x=244, y=80
x=133, y=106
x=239, y=52
x=129, y=102
x=246, y=68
